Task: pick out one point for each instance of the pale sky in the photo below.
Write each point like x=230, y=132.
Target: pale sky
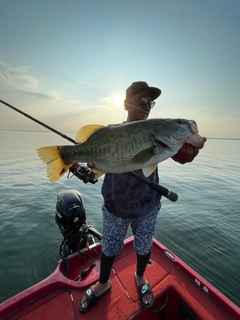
x=67, y=62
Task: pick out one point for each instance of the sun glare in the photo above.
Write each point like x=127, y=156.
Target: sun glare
x=118, y=100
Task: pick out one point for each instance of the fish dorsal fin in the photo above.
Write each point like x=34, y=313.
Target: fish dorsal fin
x=85, y=132
x=149, y=170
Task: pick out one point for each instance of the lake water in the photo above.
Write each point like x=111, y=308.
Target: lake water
x=202, y=227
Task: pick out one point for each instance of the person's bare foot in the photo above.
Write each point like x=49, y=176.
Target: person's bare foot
x=97, y=289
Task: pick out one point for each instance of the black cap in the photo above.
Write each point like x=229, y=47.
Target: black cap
x=141, y=86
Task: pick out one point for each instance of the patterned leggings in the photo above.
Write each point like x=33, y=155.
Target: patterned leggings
x=115, y=230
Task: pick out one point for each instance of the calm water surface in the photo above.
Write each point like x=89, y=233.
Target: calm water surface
x=202, y=227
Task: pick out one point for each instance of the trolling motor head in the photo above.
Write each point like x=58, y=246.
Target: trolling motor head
x=70, y=213
x=70, y=216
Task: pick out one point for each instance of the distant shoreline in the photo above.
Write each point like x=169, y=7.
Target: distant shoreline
x=211, y=138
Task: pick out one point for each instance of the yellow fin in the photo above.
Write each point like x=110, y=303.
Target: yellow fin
x=98, y=173
x=85, y=132
x=149, y=170
x=55, y=165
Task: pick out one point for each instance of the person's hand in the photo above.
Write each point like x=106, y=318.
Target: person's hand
x=91, y=165
x=187, y=153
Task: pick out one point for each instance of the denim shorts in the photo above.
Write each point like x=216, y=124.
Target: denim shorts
x=115, y=229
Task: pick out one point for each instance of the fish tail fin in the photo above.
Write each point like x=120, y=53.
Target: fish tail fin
x=56, y=167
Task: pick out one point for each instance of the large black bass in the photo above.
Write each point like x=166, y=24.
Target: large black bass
x=122, y=148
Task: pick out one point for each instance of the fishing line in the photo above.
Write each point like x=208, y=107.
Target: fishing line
x=64, y=78
x=74, y=82
x=140, y=109
x=162, y=190
x=50, y=72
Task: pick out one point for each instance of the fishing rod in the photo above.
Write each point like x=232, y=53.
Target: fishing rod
x=172, y=196
x=156, y=187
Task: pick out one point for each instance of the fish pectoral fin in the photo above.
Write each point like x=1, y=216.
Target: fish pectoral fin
x=97, y=173
x=85, y=132
x=149, y=170
x=144, y=155
x=56, y=167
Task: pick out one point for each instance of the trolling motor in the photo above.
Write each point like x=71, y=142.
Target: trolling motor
x=70, y=216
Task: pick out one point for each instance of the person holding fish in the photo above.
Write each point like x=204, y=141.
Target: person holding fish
x=130, y=202
x=137, y=145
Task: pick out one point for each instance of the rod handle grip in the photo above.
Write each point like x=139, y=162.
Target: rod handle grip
x=173, y=196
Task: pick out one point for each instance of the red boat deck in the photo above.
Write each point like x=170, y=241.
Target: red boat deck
x=187, y=298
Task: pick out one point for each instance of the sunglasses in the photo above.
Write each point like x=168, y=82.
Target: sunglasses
x=144, y=101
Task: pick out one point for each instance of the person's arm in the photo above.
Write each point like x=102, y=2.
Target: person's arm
x=187, y=153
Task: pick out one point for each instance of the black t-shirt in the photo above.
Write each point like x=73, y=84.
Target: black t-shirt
x=127, y=197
